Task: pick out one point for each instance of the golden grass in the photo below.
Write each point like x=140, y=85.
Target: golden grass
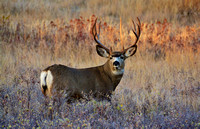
x=179, y=11
x=165, y=68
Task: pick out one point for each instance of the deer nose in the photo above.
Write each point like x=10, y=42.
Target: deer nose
x=116, y=63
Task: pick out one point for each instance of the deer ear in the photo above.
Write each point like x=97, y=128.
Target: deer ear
x=102, y=52
x=130, y=51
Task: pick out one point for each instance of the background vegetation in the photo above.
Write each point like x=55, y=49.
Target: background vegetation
x=161, y=84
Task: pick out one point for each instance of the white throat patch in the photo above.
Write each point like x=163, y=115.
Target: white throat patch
x=118, y=72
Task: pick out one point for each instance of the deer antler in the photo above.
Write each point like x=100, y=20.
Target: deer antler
x=94, y=33
x=136, y=32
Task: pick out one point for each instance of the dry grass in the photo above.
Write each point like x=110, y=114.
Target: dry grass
x=179, y=11
x=161, y=84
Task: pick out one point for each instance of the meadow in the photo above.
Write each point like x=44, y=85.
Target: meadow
x=161, y=84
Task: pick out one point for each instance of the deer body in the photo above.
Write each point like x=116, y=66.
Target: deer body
x=96, y=80
x=101, y=81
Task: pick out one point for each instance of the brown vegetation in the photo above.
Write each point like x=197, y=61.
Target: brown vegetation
x=161, y=84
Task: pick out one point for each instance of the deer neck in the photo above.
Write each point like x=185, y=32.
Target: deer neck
x=115, y=79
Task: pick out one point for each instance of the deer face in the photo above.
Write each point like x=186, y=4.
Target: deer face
x=116, y=59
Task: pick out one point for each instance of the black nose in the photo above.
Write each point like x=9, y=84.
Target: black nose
x=116, y=63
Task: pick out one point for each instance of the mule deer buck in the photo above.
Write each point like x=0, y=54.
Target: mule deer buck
x=101, y=81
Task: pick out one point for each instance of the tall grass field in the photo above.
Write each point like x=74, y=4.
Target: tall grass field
x=161, y=84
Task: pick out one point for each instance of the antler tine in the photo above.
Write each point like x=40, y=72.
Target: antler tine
x=133, y=25
x=99, y=30
x=97, y=35
x=139, y=21
x=136, y=31
x=94, y=29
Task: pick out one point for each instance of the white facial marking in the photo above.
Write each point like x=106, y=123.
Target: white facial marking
x=43, y=78
x=118, y=70
x=117, y=59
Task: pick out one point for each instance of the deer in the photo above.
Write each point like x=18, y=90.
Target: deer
x=101, y=80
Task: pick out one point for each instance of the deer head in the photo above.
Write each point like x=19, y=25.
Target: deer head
x=116, y=58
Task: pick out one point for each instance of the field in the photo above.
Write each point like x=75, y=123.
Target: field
x=161, y=84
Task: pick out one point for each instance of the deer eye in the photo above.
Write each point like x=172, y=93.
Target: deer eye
x=121, y=57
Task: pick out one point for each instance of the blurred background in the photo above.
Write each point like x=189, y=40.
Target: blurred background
x=184, y=12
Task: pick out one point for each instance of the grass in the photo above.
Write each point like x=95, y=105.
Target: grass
x=160, y=87
x=179, y=11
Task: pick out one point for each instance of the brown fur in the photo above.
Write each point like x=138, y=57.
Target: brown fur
x=97, y=80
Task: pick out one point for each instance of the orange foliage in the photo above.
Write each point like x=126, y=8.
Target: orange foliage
x=159, y=36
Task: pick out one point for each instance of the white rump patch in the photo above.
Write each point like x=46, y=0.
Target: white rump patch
x=49, y=79
x=43, y=76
